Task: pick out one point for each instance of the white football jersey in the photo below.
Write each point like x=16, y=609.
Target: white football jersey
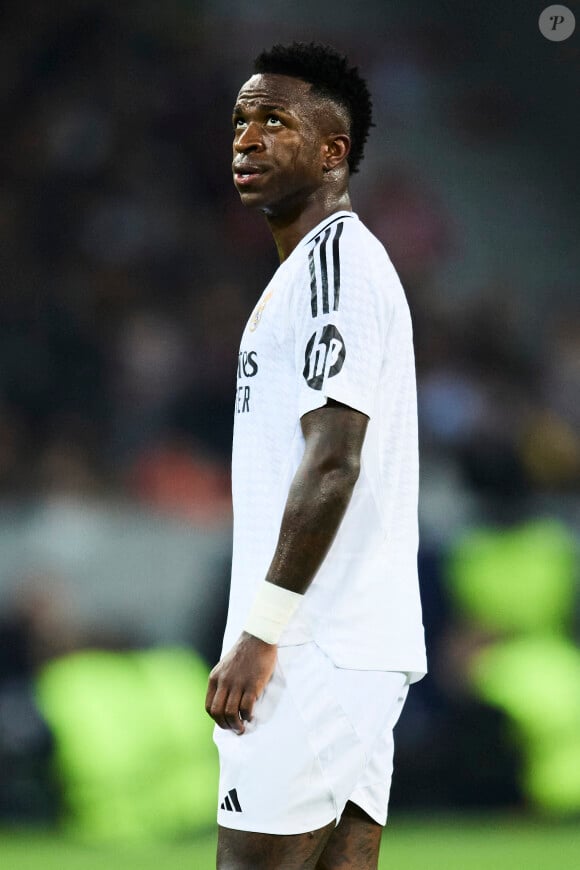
x=333, y=323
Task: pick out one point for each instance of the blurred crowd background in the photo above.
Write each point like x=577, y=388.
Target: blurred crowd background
x=128, y=270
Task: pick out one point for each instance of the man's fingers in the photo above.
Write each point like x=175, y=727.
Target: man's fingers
x=218, y=707
x=210, y=694
x=232, y=712
x=230, y=709
x=247, y=706
x=237, y=680
x=225, y=709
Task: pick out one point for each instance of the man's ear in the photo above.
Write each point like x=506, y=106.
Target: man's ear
x=336, y=149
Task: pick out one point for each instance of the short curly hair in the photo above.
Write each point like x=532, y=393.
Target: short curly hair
x=330, y=75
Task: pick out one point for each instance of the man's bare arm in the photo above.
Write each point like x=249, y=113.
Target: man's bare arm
x=319, y=495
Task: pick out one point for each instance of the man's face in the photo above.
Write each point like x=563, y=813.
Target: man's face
x=279, y=143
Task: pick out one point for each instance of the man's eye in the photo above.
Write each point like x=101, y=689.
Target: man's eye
x=238, y=123
x=273, y=121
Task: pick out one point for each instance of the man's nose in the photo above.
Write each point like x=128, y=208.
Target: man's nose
x=250, y=140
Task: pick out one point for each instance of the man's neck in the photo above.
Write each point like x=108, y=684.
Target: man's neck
x=289, y=229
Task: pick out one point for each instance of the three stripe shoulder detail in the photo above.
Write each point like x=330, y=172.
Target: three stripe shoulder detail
x=324, y=269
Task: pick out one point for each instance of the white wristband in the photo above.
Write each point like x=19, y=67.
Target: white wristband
x=272, y=610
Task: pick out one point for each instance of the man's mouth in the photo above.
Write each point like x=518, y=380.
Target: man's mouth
x=244, y=175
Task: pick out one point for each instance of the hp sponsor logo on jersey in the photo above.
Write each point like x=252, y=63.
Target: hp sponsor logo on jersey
x=324, y=358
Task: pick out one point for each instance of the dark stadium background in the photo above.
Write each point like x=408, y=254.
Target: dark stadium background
x=128, y=269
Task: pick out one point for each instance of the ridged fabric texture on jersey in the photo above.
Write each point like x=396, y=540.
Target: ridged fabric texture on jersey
x=333, y=323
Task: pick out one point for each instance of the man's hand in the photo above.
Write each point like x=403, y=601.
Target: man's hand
x=238, y=680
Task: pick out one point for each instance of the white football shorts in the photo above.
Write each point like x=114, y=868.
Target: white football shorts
x=320, y=736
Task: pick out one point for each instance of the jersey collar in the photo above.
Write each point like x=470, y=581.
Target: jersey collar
x=328, y=221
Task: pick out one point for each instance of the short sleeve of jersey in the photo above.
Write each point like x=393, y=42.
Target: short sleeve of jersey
x=341, y=319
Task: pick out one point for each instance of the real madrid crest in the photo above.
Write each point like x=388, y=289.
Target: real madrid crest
x=257, y=315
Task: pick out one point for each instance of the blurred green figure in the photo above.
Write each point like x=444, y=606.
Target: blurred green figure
x=134, y=752
x=517, y=584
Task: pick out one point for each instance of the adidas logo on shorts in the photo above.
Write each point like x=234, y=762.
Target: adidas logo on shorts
x=231, y=802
